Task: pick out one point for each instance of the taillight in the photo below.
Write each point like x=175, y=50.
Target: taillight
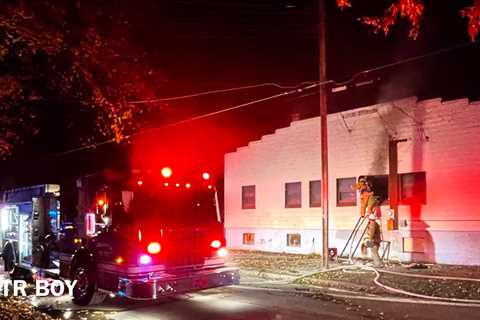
x=216, y=244
x=145, y=259
x=154, y=248
x=222, y=252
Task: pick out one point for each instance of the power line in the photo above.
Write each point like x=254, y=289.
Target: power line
x=273, y=84
x=202, y=116
x=204, y=93
x=402, y=61
x=294, y=89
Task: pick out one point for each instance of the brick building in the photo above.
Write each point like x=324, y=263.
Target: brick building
x=272, y=186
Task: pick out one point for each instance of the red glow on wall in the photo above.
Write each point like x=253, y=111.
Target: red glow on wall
x=188, y=149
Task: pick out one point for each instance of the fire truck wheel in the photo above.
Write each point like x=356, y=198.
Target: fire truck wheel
x=8, y=257
x=84, y=290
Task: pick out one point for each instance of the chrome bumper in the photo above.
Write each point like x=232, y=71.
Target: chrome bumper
x=149, y=288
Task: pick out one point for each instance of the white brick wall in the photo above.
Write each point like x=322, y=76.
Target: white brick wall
x=358, y=144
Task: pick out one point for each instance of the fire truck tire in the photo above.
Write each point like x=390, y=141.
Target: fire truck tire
x=8, y=255
x=85, y=289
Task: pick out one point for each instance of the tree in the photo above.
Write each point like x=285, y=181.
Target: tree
x=412, y=10
x=59, y=51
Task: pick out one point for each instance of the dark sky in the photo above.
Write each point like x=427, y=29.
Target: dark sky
x=201, y=45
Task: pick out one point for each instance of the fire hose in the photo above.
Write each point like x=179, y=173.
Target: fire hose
x=377, y=282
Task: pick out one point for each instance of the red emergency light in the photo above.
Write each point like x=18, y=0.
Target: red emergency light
x=216, y=244
x=206, y=176
x=101, y=202
x=139, y=182
x=154, y=247
x=166, y=172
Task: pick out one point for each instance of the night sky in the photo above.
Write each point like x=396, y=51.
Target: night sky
x=202, y=45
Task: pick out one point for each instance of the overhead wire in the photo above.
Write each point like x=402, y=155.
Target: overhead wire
x=274, y=84
x=204, y=93
x=403, y=61
x=202, y=116
x=294, y=89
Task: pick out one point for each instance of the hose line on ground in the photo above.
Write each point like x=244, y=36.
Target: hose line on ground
x=400, y=291
x=417, y=295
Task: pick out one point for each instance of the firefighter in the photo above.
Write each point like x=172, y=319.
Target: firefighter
x=368, y=201
x=373, y=240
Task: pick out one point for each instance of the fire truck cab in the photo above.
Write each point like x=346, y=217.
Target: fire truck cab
x=140, y=237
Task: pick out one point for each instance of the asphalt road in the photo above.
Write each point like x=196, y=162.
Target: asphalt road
x=260, y=299
x=256, y=302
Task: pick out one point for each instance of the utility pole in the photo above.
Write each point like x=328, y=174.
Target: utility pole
x=323, y=125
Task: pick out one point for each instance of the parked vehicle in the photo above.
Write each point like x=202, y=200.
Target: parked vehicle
x=141, y=237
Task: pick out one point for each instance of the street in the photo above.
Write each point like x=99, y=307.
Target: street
x=264, y=300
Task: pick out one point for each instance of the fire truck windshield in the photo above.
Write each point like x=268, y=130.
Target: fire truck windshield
x=172, y=207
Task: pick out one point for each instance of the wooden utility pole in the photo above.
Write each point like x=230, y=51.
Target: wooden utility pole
x=323, y=126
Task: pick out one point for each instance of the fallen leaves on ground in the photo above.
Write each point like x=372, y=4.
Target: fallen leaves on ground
x=280, y=263
x=434, y=287
x=19, y=309
x=355, y=280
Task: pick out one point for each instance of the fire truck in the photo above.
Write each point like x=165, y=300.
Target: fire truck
x=142, y=236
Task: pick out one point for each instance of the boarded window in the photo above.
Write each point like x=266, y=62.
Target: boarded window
x=248, y=197
x=315, y=193
x=293, y=240
x=248, y=238
x=413, y=188
x=293, y=195
x=346, y=195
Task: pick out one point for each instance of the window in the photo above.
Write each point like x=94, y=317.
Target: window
x=293, y=240
x=413, y=188
x=346, y=195
x=380, y=187
x=315, y=193
x=248, y=238
x=248, y=197
x=293, y=195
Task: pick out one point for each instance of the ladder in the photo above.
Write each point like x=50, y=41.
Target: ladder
x=353, y=242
